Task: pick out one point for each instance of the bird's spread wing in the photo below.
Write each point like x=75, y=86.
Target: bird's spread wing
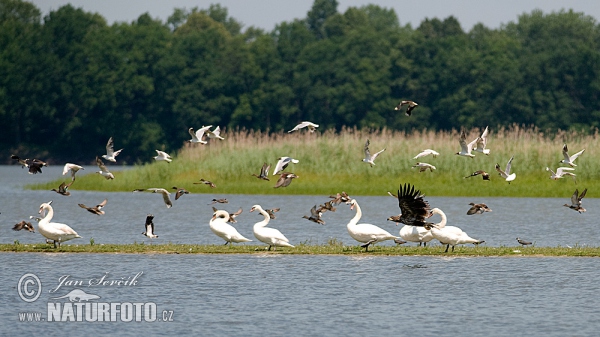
x=507, y=171
x=412, y=206
x=565, y=152
x=110, y=147
x=502, y=173
x=573, y=157
x=367, y=152
x=463, y=141
x=560, y=170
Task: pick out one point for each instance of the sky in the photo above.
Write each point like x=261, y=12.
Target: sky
x=266, y=14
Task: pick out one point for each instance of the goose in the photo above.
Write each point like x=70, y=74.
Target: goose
x=206, y=182
x=103, y=169
x=218, y=225
x=424, y=167
x=220, y=201
x=368, y=157
x=264, y=172
x=413, y=209
x=285, y=179
x=96, y=209
x=165, y=194
x=523, y=242
x=57, y=232
x=63, y=188
x=560, y=172
x=198, y=135
x=481, y=143
x=427, y=152
x=282, y=164
x=576, y=201
x=569, y=160
x=162, y=156
x=180, y=191
x=73, y=168
x=366, y=233
x=24, y=225
x=111, y=154
x=315, y=215
x=506, y=173
x=215, y=134
x=484, y=175
x=478, y=209
x=271, y=236
x=232, y=216
x=411, y=106
x=465, y=149
x=311, y=127
x=149, y=226
x=449, y=235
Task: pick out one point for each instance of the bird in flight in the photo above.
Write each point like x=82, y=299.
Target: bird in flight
x=410, y=107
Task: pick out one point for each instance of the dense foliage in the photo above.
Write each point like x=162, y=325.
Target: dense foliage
x=69, y=81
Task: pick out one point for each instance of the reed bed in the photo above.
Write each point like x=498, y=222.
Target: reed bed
x=334, y=248
x=332, y=161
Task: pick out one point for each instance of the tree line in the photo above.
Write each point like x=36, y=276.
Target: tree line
x=69, y=81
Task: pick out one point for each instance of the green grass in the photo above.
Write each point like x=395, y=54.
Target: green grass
x=332, y=248
x=331, y=162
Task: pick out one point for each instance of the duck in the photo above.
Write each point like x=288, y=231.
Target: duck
x=366, y=233
x=478, y=209
x=206, y=182
x=111, y=154
x=282, y=164
x=569, y=160
x=427, y=152
x=63, y=188
x=103, y=169
x=149, y=226
x=96, y=209
x=482, y=173
x=271, y=236
x=481, y=143
x=424, y=167
x=523, y=242
x=180, y=191
x=285, y=179
x=339, y=198
x=576, y=201
x=73, y=168
x=264, y=172
x=449, y=235
x=560, y=172
x=315, y=215
x=54, y=231
x=35, y=166
x=306, y=124
x=368, y=157
x=411, y=106
x=220, y=201
x=465, y=149
x=506, y=173
x=219, y=226
x=162, y=156
x=24, y=225
x=165, y=194
x=198, y=135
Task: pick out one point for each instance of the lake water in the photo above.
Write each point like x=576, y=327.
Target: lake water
x=263, y=294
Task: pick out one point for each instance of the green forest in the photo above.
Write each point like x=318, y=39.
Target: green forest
x=69, y=81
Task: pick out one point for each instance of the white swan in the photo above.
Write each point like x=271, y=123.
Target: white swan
x=416, y=234
x=57, y=232
x=270, y=236
x=449, y=235
x=218, y=225
x=366, y=233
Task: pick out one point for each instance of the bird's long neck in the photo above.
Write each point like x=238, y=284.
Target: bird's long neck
x=49, y=214
x=265, y=221
x=354, y=220
x=442, y=223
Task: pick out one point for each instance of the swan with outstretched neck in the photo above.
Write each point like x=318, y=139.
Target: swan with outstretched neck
x=57, y=232
x=218, y=225
x=270, y=236
x=449, y=235
x=366, y=233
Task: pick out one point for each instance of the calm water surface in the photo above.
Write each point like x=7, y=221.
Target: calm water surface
x=253, y=295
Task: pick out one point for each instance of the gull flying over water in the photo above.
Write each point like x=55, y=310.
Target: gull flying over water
x=427, y=152
x=569, y=160
x=111, y=154
x=103, y=170
x=576, y=201
x=165, y=194
x=96, y=209
x=149, y=226
x=506, y=173
x=283, y=163
x=73, y=168
x=311, y=126
x=368, y=157
x=410, y=106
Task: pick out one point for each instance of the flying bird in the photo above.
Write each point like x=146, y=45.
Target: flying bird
x=484, y=175
x=368, y=157
x=271, y=212
x=327, y=206
x=232, y=216
x=103, y=170
x=465, y=149
x=311, y=127
x=560, y=172
x=180, y=192
x=478, y=209
x=220, y=201
x=63, y=188
x=315, y=216
x=481, y=142
x=96, y=209
x=34, y=166
x=410, y=106
x=285, y=179
x=339, y=198
x=576, y=201
x=569, y=160
x=506, y=173
x=523, y=242
x=215, y=134
x=413, y=209
x=282, y=164
x=162, y=156
x=206, y=182
x=24, y=225
x=427, y=152
x=264, y=172
x=23, y=162
x=111, y=154
x=198, y=135
x=73, y=168
x=165, y=194
x=149, y=226
x=424, y=167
